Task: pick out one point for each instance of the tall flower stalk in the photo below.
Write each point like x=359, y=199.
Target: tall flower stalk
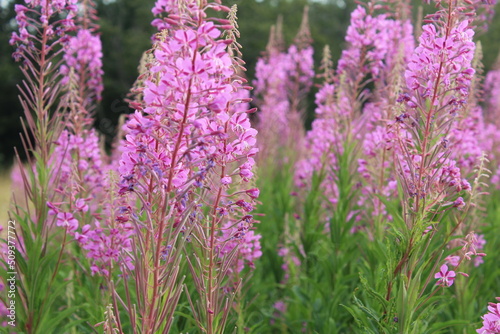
x=40, y=41
x=438, y=79
x=283, y=80
x=188, y=151
x=349, y=112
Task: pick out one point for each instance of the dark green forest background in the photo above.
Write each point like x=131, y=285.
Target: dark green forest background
x=126, y=32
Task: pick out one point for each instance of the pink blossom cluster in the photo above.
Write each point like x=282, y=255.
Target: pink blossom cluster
x=188, y=121
x=323, y=143
x=46, y=17
x=490, y=131
x=443, y=58
x=491, y=88
x=301, y=68
x=282, y=82
x=442, y=183
x=271, y=83
x=105, y=245
x=79, y=162
x=491, y=320
x=192, y=130
x=384, y=60
x=438, y=77
x=83, y=54
x=246, y=241
x=470, y=138
x=376, y=165
x=289, y=259
x=374, y=41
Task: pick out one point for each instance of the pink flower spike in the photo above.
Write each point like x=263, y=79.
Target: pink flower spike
x=445, y=276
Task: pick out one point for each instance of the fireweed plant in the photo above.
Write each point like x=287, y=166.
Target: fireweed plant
x=283, y=80
x=375, y=220
x=186, y=157
x=44, y=33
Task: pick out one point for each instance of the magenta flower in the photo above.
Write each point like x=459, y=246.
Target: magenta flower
x=455, y=52
x=81, y=205
x=373, y=41
x=83, y=54
x=283, y=80
x=491, y=320
x=453, y=260
x=66, y=219
x=74, y=153
x=246, y=241
x=253, y=193
x=445, y=276
x=459, y=203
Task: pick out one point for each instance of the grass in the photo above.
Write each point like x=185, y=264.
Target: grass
x=5, y=195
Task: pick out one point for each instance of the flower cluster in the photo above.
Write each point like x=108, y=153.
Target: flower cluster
x=106, y=244
x=492, y=87
x=245, y=241
x=438, y=77
x=54, y=28
x=444, y=58
x=491, y=320
x=283, y=80
x=83, y=54
x=186, y=122
x=188, y=153
x=374, y=39
x=78, y=158
x=192, y=131
x=373, y=51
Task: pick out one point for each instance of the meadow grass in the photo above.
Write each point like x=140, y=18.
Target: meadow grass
x=5, y=195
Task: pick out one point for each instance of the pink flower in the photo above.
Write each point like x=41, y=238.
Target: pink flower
x=283, y=80
x=280, y=306
x=459, y=203
x=42, y=15
x=66, y=219
x=446, y=277
x=81, y=205
x=226, y=180
x=491, y=320
x=427, y=229
x=84, y=53
x=253, y=193
x=247, y=242
x=453, y=260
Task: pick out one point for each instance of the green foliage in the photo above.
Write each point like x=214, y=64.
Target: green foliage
x=47, y=300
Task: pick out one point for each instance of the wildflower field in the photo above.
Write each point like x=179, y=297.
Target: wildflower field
x=218, y=209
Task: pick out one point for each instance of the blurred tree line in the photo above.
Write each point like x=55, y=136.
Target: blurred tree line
x=126, y=33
